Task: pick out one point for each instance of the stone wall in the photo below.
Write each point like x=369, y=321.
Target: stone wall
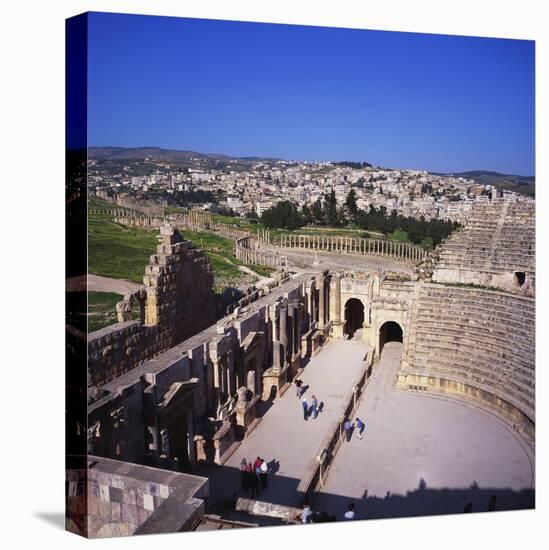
x=113, y=498
x=383, y=297
x=177, y=302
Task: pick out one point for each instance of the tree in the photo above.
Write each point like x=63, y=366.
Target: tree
x=331, y=215
x=317, y=213
x=307, y=214
x=351, y=206
x=284, y=215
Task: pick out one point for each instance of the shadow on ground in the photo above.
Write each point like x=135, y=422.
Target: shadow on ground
x=225, y=487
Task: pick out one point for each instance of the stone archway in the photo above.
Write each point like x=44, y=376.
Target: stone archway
x=390, y=331
x=354, y=317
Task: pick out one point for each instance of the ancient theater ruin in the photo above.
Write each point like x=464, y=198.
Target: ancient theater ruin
x=435, y=352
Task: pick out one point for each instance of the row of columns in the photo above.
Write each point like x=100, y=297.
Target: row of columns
x=353, y=245
x=263, y=235
x=287, y=339
x=249, y=254
x=197, y=219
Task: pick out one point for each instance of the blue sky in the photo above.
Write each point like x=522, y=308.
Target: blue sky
x=402, y=100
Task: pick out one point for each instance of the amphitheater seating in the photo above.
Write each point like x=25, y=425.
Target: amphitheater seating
x=478, y=337
x=499, y=237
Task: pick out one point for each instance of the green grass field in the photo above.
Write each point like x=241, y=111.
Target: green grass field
x=121, y=252
x=102, y=309
x=118, y=251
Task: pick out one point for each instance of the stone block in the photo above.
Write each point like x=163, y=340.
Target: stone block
x=104, y=492
x=148, y=502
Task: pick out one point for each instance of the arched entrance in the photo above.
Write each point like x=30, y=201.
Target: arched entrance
x=354, y=316
x=389, y=332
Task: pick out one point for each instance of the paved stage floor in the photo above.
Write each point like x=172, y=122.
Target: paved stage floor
x=338, y=260
x=423, y=454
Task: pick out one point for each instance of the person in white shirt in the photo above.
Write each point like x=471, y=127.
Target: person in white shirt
x=350, y=513
x=307, y=514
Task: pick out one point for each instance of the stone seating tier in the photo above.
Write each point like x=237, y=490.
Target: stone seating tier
x=475, y=365
x=477, y=337
x=458, y=333
x=498, y=237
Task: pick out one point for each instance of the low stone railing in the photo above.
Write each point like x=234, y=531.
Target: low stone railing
x=317, y=472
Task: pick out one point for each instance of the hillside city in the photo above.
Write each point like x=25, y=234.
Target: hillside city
x=250, y=187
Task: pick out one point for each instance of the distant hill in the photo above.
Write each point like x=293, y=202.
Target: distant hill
x=122, y=153
x=119, y=153
x=513, y=182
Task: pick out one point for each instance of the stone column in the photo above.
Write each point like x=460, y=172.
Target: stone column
x=277, y=351
x=337, y=325
x=321, y=303
x=337, y=281
x=231, y=376
x=216, y=381
x=292, y=313
x=309, y=303
x=283, y=336
x=299, y=315
x=191, y=450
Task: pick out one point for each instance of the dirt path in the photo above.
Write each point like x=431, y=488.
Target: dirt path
x=245, y=269
x=262, y=280
x=101, y=284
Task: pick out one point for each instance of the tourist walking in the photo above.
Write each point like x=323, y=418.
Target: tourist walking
x=243, y=475
x=360, y=427
x=314, y=406
x=305, y=408
x=263, y=471
x=298, y=384
x=307, y=514
x=348, y=427
x=350, y=513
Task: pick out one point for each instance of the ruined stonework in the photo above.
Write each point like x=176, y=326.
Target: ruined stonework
x=195, y=401
x=177, y=390
x=177, y=302
x=112, y=498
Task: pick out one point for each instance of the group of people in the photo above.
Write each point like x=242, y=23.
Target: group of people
x=349, y=427
x=308, y=516
x=309, y=410
x=253, y=476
